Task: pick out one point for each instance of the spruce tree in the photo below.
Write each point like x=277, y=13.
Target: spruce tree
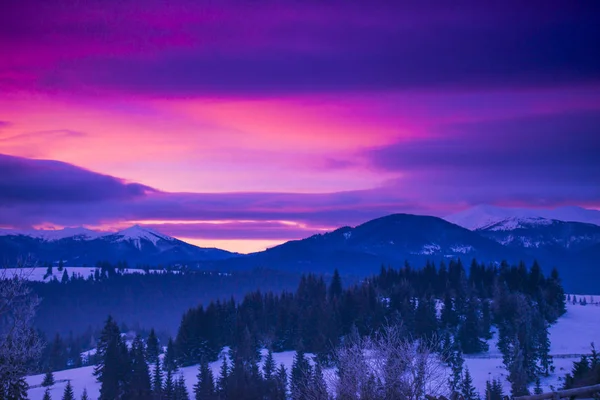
x=47, y=394
x=448, y=317
x=456, y=362
x=466, y=388
x=84, y=395
x=269, y=374
x=157, y=379
x=48, y=379
x=281, y=384
x=152, y=347
x=181, y=392
x=68, y=393
x=169, y=389
x=223, y=381
x=335, y=287
x=113, y=368
x=170, y=361
x=140, y=387
x=493, y=390
x=538, y=386
x=205, y=388
x=301, y=374
x=318, y=387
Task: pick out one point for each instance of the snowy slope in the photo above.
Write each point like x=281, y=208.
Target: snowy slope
x=485, y=215
x=571, y=336
x=82, y=378
x=78, y=233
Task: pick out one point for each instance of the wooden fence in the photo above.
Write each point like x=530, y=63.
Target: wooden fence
x=582, y=391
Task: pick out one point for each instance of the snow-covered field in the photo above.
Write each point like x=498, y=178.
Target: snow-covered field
x=571, y=336
x=39, y=274
x=83, y=378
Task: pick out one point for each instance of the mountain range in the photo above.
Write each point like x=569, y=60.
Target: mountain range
x=489, y=234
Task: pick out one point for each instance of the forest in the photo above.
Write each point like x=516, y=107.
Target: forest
x=449, y=310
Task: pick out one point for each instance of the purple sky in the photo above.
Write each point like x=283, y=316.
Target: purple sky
x=244, y=124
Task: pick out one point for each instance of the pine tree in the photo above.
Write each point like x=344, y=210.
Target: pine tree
x=318, y=387
x=113, y=368
x=170, y=361
x=68, y=393
x=469, y=331
x=65, y=277
x=281, y=384
x=301, y=374
x=538, y=386
x=84, y=395
x=152, y=347
x=157, y=379
x=448, y=316
x=181, y=392
x=335, y=287
x=223, y=381
x=456, y=362
x=205, y=388
x=47, y=395
x=466, y=388
x=493, y=390
x=48, y=379
x=169, y=389
x=140, y=387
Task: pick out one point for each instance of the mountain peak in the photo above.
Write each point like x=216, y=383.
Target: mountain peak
x=483, y=216
x=136, y=233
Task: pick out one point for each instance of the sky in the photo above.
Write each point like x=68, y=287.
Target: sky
x=243, y=124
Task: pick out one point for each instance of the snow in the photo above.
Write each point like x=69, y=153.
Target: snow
x=38, y=274
x=485, y=215
x=134, y=233
x=513, y=223
x=137, y=233
x=50, y=235
x=430, y=249
x=82, y=377
x=462, y=249
x=571, y=337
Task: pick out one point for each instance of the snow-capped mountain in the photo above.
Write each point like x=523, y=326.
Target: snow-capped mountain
x=79, y=246
x=483, y=216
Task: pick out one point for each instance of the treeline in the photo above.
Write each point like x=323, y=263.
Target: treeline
x=77, y=305
x=316, y=318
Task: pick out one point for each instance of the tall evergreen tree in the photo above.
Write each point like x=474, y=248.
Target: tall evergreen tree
x=169, y=388
x=335, y=287
x=466, y=388
x=157, y=380
x=68, y=393
x=170, y=361
x=140, y=387
x=205, y=388
x=493, y=390
x=281, y=384
x=84, y=395
x=181, y=392
x=48, y=379
x=152, y=347
x=301, y=375
x=47, y=394
x=113, y=368
x=223, y=381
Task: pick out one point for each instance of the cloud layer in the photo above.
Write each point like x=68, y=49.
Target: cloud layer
x=272, y=120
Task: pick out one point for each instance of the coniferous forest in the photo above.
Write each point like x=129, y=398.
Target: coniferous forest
x=452, y=308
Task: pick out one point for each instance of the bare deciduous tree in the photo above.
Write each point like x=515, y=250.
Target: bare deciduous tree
x=389, y=366
x=20, y=346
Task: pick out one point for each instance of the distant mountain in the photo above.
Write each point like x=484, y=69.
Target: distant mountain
x=485, y=215
x=541, y=233
x=79, y=246
x=389, y=240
